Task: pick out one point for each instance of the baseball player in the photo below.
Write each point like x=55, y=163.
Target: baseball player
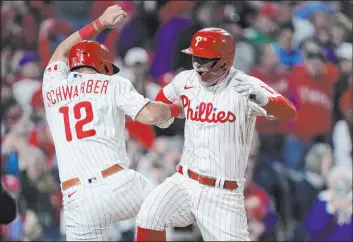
x=220, y=107
x=85, y=106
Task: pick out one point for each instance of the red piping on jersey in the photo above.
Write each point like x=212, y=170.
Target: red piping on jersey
x=280, y=107
x=162, y=98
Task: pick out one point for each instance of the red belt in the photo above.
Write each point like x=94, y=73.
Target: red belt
x=230, y=185
x=76, y=181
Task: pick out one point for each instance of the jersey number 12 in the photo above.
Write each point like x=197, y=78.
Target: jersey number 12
x=80, y=133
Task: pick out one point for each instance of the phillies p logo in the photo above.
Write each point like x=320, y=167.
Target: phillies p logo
x=198, y=39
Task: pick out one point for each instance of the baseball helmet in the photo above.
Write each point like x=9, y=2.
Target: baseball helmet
x=92, y=54
x=213, y=43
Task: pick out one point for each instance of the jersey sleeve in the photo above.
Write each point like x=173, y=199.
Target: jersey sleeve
x=55, y=71
x=269, y=91
x=173, y=90
x=127, y=98
x=278, y=106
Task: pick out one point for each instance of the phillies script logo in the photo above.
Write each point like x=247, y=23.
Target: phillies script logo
x=206, y=112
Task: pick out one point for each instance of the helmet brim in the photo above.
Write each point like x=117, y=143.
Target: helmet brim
x=115, y=69
x=201, y=53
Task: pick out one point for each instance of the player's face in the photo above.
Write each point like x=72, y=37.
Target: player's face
x=202, y=65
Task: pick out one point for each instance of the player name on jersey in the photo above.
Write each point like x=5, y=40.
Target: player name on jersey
x=65, y=93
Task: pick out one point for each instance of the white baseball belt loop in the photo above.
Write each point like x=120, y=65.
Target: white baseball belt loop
x=186, y=171
x=220, y=182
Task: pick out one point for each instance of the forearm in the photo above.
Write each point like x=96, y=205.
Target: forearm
x=160, y=112
x=86, y=33
x=157, y=112
x=280, y=107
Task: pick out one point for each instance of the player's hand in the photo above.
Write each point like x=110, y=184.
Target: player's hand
x=166, y=124
x=112, y=16
x=253, y=92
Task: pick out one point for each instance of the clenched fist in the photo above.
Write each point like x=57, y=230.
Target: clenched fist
x=112, y=16
x=255, y=93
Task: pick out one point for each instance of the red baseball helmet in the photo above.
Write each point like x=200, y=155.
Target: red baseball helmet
x=212, y=43
x=92, y=54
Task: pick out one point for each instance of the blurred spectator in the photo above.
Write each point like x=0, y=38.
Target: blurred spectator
x=273, y=73
x=343, y=140
x=37, y=105
x=261, y=171
x=29, y=76
x=247, y=11
x=318, y=162
x=245, y=51
x=323, y=38
x=21, y=27
x=25, y=226
x=51, y=31
x=265, y=25
x=10, y=213
x=320, y=20
x=201, y=17
x=37, y=186
x=258, y=205
x=7, y=99
x=135, y=32
x=16, y=139
x=137, y=61
x=339, y=34
x=31, y=30
x=343, y=86
x=166, y=37
x=288, y=52
x=330, y=218
x=42, y=9
x=309, y=8
x=311, y=89
x=303, y=28
x=342, y=136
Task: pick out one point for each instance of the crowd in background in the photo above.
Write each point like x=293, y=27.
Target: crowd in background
x=299, y=179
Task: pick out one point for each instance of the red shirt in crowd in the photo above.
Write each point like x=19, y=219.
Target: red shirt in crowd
x=142, y=133
x=346, y=102
x=313, y=100
x=278, y=81
x=256, y=201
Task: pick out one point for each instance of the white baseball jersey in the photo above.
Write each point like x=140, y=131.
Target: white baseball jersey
x=218, y=130
x=86, y=116
x=219, y=124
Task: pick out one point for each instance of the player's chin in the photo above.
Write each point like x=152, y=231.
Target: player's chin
x=200, y=72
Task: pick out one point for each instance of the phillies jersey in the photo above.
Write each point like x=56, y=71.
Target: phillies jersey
x=86, y=116
x=219, y=123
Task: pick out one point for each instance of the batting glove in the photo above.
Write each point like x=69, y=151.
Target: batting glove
x=166, y=124
x=255, y=93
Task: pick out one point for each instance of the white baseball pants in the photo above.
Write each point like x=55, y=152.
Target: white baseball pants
x=180, y=201
x=92, y=207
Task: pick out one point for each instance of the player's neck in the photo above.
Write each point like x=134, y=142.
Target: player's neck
x=86, y=70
